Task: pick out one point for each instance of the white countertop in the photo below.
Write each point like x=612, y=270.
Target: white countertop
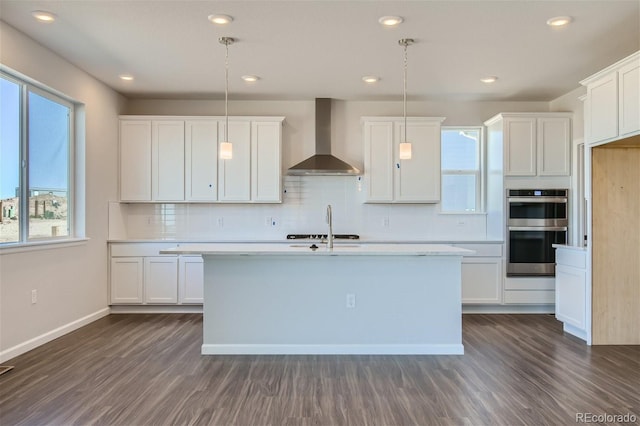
x=567, y=247
x=302, y=249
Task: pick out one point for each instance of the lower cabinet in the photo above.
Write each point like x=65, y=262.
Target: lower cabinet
x=482, y=274
x=190, y=280
x=571, y=290
x=139, y=275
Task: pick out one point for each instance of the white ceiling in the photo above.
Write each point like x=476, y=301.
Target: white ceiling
x=308, y=49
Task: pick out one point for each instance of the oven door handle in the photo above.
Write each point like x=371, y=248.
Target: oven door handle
x=537, y=200
x=538, y=228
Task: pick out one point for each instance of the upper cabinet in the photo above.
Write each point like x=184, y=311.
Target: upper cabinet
x=535, y=144
x=175, y=159
x=391, y=180
x=612, y=106
x=135, y=160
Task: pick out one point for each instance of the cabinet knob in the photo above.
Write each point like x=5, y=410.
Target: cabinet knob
x=398, y=165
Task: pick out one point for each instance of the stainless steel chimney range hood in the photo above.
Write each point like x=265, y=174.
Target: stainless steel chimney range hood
x=322, y=163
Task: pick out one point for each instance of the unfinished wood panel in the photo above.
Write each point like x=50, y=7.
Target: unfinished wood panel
x=616, y=245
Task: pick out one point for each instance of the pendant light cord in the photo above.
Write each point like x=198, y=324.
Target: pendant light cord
x=226, y=89
x=404, y=99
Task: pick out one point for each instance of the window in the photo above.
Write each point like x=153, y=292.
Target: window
x=461, y=169
x=36, y=163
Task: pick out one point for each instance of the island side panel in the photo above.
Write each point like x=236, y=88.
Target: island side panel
x=297, y=304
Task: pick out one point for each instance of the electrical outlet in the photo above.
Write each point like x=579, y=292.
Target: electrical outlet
x=267, y=221
x=385, y=221
x=220, y=222
x=34, y=297
x=351, y=300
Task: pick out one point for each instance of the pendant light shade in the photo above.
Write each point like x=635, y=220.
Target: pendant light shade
x=226, y=147
x=405, y=145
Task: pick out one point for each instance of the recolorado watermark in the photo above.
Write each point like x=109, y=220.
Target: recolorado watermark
x=606, y=418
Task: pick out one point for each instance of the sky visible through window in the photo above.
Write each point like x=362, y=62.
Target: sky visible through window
x=47, y=161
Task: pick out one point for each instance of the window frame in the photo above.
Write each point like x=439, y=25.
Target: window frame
x=27, y=86
x=478, y=173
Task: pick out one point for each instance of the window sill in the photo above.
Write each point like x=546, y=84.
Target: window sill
x=41, y=245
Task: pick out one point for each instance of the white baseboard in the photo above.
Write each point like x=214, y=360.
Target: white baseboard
x=382, y=349
x=156, y=309
x=30, y=344
x=508, y=309
x=575, y=331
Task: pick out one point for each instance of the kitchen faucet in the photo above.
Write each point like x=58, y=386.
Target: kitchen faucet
x=330, y=222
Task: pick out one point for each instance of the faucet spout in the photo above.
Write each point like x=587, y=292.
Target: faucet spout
x=330, y=223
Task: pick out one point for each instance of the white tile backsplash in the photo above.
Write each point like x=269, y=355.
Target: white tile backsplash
x=303, y=211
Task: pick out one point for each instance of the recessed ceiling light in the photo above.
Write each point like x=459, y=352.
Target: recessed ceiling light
x=489, y=79
x=390, y=21
x=43, y=16
x=250, y=78
x=559, y=21
x=370, y=79
x=220, y=19
x=126, y=77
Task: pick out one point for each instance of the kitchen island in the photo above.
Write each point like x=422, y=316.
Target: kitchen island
x=352, y=299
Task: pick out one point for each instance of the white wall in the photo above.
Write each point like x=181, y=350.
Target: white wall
x=71, y=281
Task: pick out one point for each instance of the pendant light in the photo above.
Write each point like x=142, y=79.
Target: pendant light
x=405, y=145
x=226, y=147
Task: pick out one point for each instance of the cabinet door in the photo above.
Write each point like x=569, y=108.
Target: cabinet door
x=266, y=171
x=603, y=104
x=126, y=280
x=571, y=295
x=167, y=171
x=161, y=279
x=191, y=280
x=379, y=161
x=520, y=146
x=201, y=160
x=554, y=146
x=135, y=160
x=629, y=114
x=482, y=280
x=235, y=174
x=418, y=180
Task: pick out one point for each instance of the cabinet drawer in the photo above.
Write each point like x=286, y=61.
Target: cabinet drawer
x=574, y=258
x=140, y=249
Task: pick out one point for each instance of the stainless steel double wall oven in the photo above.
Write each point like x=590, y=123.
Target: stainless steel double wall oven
x=537, y=218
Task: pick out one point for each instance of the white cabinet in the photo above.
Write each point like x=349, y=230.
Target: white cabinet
x=235, y=174
x=553, y=146
x=126, y=280
x=140, y=275
x=160, y=279
x=391, y=180
x=151, y=160
x=175, y=159
x=201, y=160
x=535, y=144
x=612, y=106
x=167, y=154
x=571, y=289
x=266, y=169
x=190, y=280
x=135, y=160
x=482, y=274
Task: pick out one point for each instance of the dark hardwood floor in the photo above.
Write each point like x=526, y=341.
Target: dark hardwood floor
x=147, y=370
